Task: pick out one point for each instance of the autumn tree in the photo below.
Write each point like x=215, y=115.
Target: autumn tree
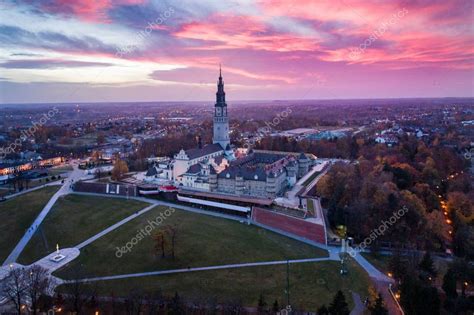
x=119, y=170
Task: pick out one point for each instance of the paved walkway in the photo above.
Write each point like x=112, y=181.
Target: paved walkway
x=390, y=304
x=64, y=190
x=48, y=264
x=370, y=269
x=359, y=307
x=115, y=226
x=184, y=270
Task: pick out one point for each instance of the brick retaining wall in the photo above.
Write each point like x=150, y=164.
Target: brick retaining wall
x=302, y=228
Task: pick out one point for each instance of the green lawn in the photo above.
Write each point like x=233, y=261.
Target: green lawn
x=17, y=214
x=311, y=284
x=75, y=218
x=201, y=241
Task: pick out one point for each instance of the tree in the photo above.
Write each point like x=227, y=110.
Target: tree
x=262, y=305
x=463, y=271
x=37, y=282
x=120, y=168
x=379, y=307
x=397, y=266
x=418, y=298
x=176, y=306
x=134, y=302
x=427, y=266
x=160, y=242
x=323, y=310
x=339, y=305
x=78, y=291
x=173, y=231
x=14, y=288
x=275, y=307
x=449, y=284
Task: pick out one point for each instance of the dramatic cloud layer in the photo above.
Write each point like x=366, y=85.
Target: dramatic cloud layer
x=153, y=50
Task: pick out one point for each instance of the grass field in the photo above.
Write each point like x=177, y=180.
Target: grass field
x=311, y=284
x=73, y=219
x=201, y=241
x=17, y=214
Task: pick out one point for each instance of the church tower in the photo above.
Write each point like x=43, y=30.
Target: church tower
x=221, y=120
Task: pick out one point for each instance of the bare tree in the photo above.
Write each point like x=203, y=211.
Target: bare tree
x=37, y=282
x=134, y=302
x=154, y=301
x=173, y=232
x=160, y=242
x=78, y=291
x=14, y=288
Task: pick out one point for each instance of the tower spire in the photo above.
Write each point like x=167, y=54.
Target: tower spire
x=220, y=71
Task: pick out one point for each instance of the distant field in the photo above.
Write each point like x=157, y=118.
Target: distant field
x=17, y=214
x=311, y=284
x=73, y=219
x=201, y=241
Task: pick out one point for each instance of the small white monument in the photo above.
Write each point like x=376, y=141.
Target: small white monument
x=58, y=257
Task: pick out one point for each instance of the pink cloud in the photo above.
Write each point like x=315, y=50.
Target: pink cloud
x=88, y=10
x=242, y=32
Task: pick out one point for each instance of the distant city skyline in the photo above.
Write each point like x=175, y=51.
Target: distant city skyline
x=138, y=50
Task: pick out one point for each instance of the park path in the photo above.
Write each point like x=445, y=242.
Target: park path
x=64, y=190
x=359, y=307
x=115, y=226
x=184, y=270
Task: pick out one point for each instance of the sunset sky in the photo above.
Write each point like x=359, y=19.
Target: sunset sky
x=139, y=50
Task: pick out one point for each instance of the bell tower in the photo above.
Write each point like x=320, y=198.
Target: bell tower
x=221, y=120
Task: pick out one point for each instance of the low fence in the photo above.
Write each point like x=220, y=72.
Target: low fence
x=106, y=189
x=303, y=228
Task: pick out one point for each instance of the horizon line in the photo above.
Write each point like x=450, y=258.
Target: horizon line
x=246, y=100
